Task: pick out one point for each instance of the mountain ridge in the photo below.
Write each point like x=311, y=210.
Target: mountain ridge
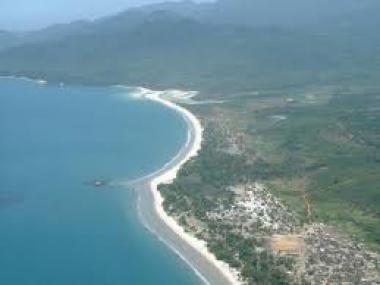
x=163, y=48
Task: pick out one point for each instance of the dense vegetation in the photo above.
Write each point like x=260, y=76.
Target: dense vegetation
x=325, y=144
x=314, y=147
x=200, y=187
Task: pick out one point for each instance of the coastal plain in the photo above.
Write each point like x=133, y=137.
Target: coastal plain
x=285, y=186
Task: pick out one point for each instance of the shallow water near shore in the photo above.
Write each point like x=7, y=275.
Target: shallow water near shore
x=56, y=226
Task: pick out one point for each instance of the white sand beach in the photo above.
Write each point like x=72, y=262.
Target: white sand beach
x=169, y=172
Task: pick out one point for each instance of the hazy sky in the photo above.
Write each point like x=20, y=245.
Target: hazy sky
x=33, y=14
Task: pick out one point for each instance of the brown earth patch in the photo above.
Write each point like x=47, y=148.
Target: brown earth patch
x=287, y=244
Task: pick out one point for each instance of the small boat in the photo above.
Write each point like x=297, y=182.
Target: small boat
x=42, y=82
x=99, y=183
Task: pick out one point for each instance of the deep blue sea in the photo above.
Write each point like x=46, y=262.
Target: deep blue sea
x=56, y=228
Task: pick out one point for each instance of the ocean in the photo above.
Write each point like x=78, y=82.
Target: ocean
x=56, y=225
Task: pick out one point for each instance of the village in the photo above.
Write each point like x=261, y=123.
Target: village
x=314, y=253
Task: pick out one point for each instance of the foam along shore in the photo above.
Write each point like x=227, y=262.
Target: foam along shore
x=168, y=173
x=37, y=80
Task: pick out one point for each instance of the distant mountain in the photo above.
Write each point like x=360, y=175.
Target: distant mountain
x=285, y=13
x=58, y=31
x=192, y=46
x=54, y=32
x=264, y=12
x=8, y=39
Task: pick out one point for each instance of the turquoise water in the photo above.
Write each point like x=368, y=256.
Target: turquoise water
x=55, y=227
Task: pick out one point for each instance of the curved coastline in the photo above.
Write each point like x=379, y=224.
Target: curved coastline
x=191, y=250
x=150, y=203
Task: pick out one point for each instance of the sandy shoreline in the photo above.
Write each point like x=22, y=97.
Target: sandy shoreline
x=169, y=172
